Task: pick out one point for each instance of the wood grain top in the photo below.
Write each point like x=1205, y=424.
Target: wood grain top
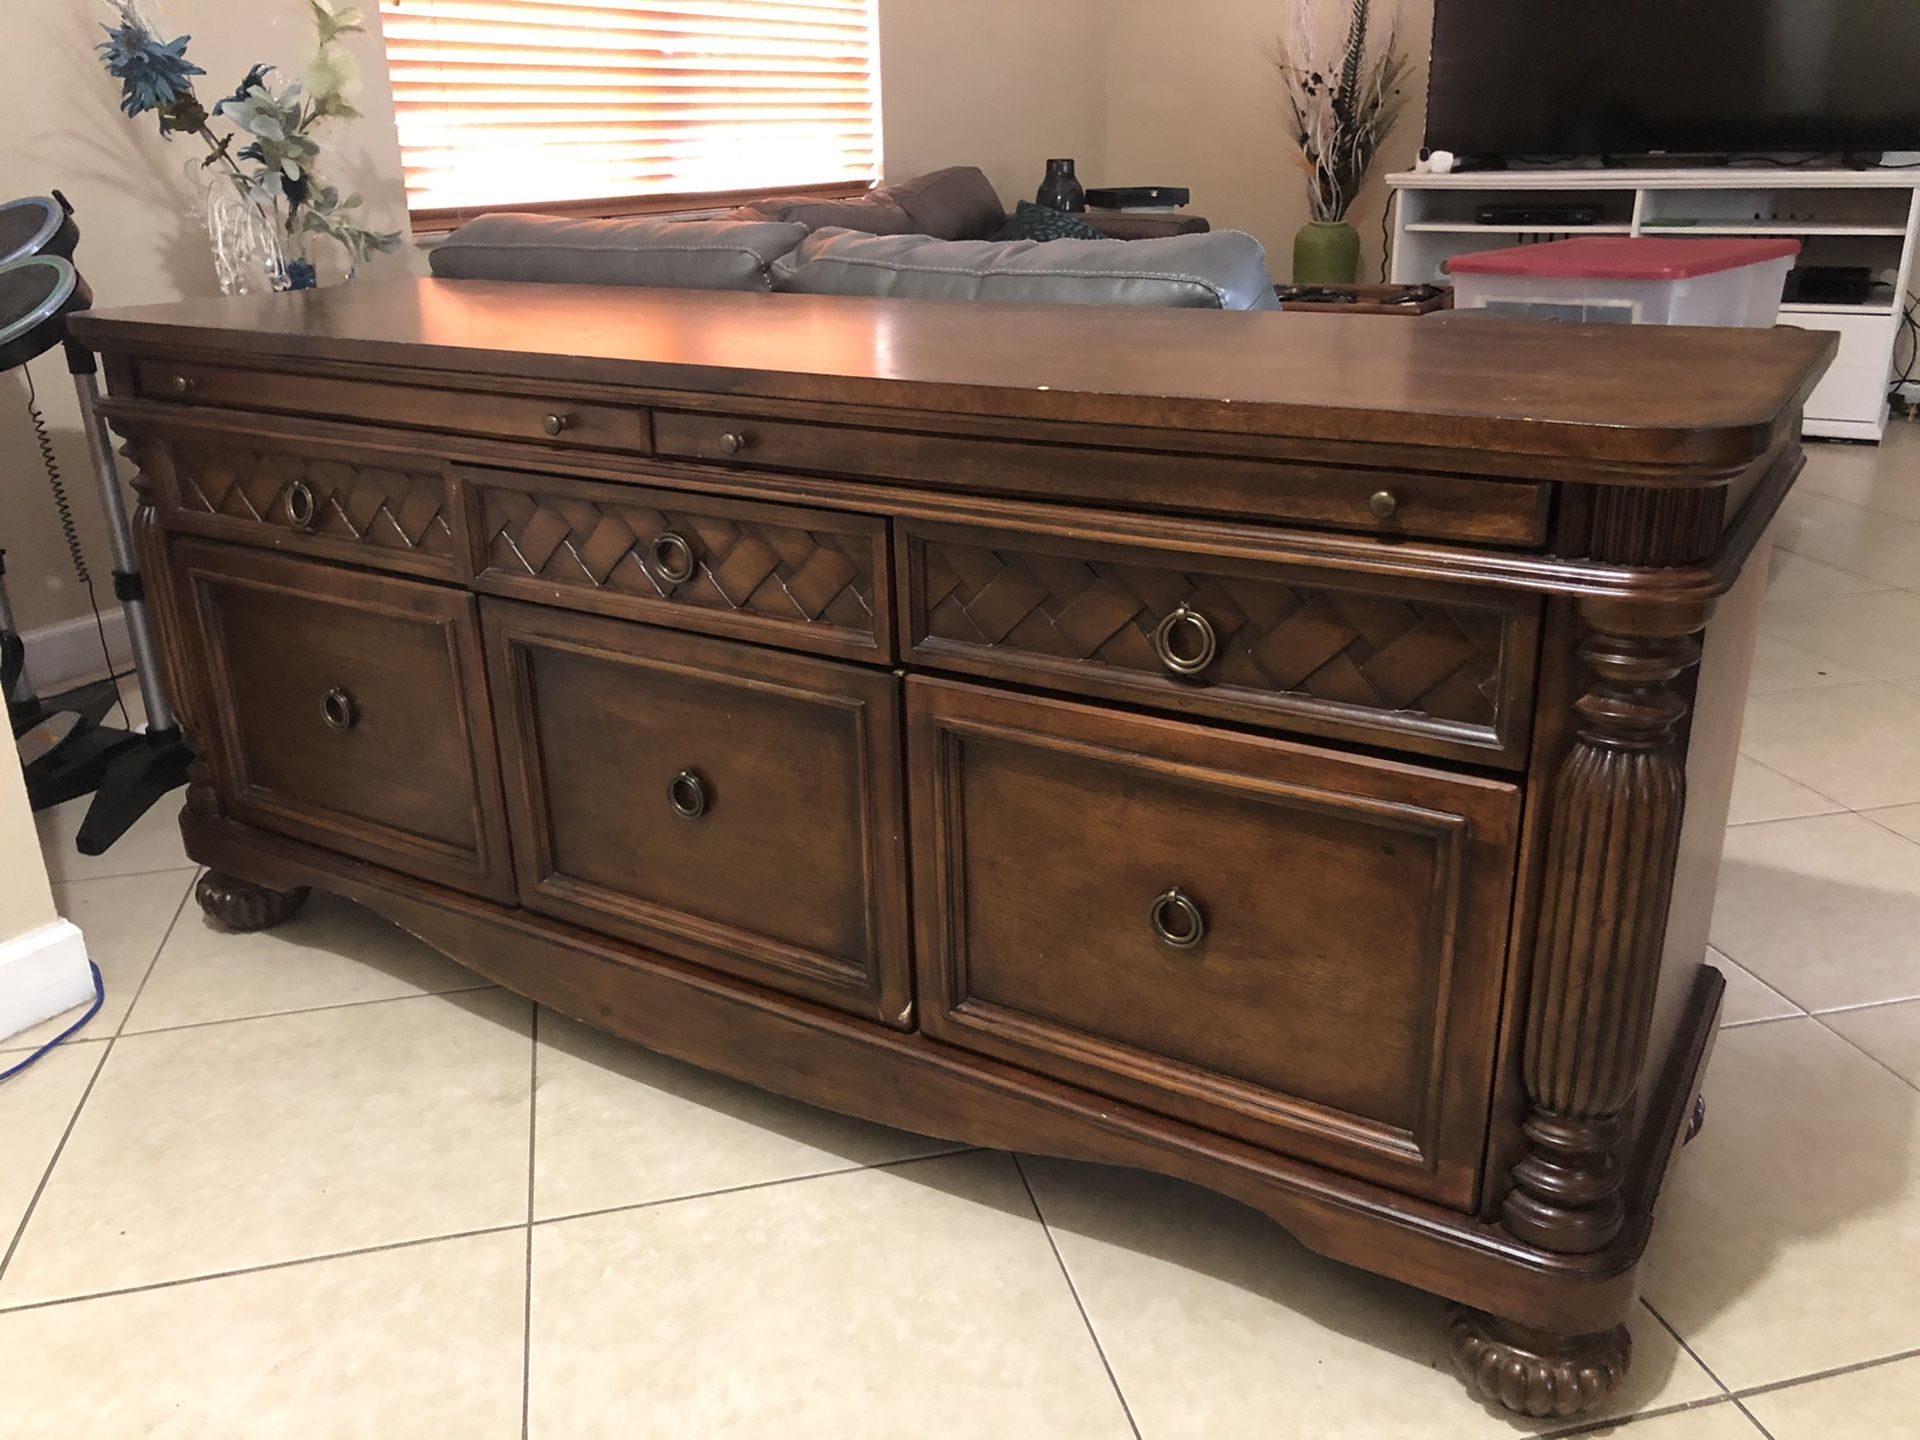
x=1641, y=395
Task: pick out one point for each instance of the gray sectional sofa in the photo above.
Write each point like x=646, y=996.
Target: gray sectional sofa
x=930, y=238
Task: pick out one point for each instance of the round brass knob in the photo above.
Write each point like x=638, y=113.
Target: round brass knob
x=1176, y=920
x=303, y=509
x=732, y=443
x=672, y=557
x=338, y=710
x=687, y=794
x=1185, y=641
x=182, y=384
x=1383, y=503
x=554, y=424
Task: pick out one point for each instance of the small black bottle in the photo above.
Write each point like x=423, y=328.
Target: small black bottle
x=1062, y=190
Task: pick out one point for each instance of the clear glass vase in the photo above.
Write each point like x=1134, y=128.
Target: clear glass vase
x=247, y=254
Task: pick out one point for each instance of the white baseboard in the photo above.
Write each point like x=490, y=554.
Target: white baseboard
x=62, y=655
x=42, y=973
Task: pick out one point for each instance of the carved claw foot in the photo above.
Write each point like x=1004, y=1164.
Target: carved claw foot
x=239, y=905
x=1533, y=1372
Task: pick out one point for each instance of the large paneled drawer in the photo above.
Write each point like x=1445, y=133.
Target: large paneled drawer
x=544, y=419
x=1436, y=668
x=728, y=804
x=349, y=710
x=378, y=510
x=1297, y=948
x=1370, y=501
x=810, y=579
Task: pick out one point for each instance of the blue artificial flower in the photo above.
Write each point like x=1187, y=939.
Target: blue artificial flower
x=154, y=74
x=301, y=275
x=257, y=76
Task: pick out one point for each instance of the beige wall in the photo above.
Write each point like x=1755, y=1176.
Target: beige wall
x=26, y=902
x=1192, y=99
x=131, y=193
x=1002, y=84
x=1138, y=91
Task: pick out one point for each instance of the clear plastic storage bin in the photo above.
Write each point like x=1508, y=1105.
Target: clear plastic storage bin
x=1630, y=280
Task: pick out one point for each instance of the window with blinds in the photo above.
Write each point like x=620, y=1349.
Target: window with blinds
x=628, y=106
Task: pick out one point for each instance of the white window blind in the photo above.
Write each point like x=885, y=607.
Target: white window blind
x=585, y=104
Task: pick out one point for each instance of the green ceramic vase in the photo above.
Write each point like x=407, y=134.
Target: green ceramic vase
x=1326, y=252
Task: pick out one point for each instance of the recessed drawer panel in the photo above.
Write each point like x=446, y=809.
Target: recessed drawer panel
x=1294, y=947
x=388, y=512
x=1441, y=669
x=1372, y=502
x=552, y=420
x=350, y=710
x=811, y=579
x=728, y=804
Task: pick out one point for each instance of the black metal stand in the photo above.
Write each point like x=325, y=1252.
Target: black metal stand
x=125, y=771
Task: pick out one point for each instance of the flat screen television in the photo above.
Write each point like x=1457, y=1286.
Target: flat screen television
x=1554, y=78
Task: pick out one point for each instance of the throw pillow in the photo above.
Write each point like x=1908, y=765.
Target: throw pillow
x=1042, y=222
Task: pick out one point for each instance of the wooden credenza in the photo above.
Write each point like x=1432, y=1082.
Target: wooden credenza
x=1272, y=750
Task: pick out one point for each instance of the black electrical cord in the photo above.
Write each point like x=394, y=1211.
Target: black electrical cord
x=1910, y=327
x=1386, y=238
x=70, y=530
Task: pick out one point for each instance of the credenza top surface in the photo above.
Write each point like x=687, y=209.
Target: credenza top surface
x=1637, y=394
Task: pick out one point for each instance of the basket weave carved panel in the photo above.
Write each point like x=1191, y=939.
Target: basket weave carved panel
x=393, y=508
x=1379, y=652
x=751, y=567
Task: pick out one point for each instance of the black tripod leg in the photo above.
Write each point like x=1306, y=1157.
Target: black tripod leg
x=135, y=779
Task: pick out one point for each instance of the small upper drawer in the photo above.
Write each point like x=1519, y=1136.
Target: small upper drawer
x=1441, y=669
x=811, y=579
x=1369, y=501
x=387, y=512
x=541, y=419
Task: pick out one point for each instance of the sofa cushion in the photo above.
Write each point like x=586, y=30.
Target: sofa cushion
x=958, y=203
x=1223, y=270
x=683, y=254
x=875, y=212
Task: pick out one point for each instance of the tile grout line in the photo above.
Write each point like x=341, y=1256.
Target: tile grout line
x=526, y=1315
x=154, y=960
x=307, y=1010
x=1581, y=1428
x=1752, y=1418
x=1074, y=1290
x=900, y=1163
x=1834, y=1372
x=192, y=865
x=1693, y=1355
x=240, y=1270
x=106, y=1053
x=1861, y=1049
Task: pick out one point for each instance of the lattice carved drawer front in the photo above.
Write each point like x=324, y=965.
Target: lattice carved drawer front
x=391, y=513
x=809, y=579
x=1440, y=669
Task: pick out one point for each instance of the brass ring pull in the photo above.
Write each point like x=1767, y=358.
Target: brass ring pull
x=554, y=424
x=1383, y=503
x=687, y=794
x=732, y=443
x=183, y=384
x=337, y=709
x=302, y=508
x=672, y=557
x=1176, y=920
x=1185, y=641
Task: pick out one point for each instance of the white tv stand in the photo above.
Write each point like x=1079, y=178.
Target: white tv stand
x=1841, y=217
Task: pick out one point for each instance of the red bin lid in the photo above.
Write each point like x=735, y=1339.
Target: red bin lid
x=1624, y=257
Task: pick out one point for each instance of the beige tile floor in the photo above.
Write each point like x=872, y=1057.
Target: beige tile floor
x=323, y=1183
